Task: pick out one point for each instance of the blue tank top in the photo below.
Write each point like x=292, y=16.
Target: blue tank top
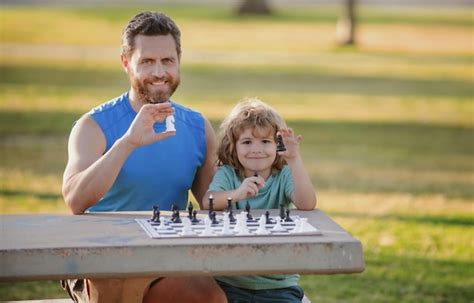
x=157, y=174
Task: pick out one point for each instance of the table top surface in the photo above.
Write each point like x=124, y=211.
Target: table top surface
x=50, y=246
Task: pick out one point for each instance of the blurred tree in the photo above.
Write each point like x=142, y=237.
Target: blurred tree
x=254, y=7
x=346, y=25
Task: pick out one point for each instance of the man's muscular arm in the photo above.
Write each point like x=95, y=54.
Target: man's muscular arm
x=90, y=173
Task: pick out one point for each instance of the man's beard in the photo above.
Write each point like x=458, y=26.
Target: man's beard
x=147, y=96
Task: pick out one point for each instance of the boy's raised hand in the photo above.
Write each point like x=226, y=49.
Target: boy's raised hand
x=291, y=142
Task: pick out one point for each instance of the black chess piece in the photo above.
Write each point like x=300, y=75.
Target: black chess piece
x=229, y=210
x=231, y=216
x=211, y=205
x=173, y=212
x=267, y=218
x=195, y=219
x=190, y=210
x=247, y=209
x=156, y=214
x=157, y=218
x=214, y=219
x=279, y=144
x=177, y=218
x=288, y=218
x=282, y=211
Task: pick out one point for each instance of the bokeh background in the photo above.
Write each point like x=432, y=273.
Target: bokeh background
x=387, y=121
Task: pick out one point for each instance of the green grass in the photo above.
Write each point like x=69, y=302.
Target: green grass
x=387, y=126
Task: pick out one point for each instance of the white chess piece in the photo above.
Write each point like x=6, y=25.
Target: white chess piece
x=162, y=225
x=207, y=228
x=262, y=230
x=278, y=226
x=241, y=226
x=226, y=231
x=170, y=124
x=303, y=225
x=187, y=228
x=297, y=226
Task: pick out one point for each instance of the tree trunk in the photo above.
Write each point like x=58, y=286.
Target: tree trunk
x=346, y=25
x=254, y=7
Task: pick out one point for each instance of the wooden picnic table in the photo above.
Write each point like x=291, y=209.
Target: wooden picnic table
x=113, y=245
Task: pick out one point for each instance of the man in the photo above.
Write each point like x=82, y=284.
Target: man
x=122, y=158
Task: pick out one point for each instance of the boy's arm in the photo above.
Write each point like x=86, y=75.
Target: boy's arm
x=303, y=195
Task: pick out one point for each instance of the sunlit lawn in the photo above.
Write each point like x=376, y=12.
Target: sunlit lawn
x=387, y=127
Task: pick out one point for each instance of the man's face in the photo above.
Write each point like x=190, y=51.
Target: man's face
x=153, y=68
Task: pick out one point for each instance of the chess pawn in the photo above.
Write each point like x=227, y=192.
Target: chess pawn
x=296, y=229
x=262, y=230
x=187, y=229
x=282, y=211
x=170, y=124
x=226, y=231
x=303, y=225
x=231, y=216
x=190, y=210
x=267, y=218
x=278, y=226
x=195, y=219
x=241, y=227
x=162, y=225
x=214, y=218
x=247, y=210
x=288, y=218
x=207, y=228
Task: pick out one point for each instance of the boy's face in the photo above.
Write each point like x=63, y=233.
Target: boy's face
x=153, y=68
x=256, y=151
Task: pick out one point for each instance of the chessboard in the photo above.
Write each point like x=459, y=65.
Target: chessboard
x=213, y=225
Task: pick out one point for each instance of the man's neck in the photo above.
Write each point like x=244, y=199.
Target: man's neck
x=135, y=100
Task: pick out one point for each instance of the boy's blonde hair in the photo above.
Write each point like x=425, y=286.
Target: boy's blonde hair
x=248, y=114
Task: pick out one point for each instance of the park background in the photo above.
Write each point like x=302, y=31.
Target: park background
x=387, y=123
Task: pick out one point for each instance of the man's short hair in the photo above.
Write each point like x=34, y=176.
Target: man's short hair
x=149, y=24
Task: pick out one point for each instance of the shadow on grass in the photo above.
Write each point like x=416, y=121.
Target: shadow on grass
x=394, y=278
x=423, y=219
x=223, y=78
x=313, y=79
